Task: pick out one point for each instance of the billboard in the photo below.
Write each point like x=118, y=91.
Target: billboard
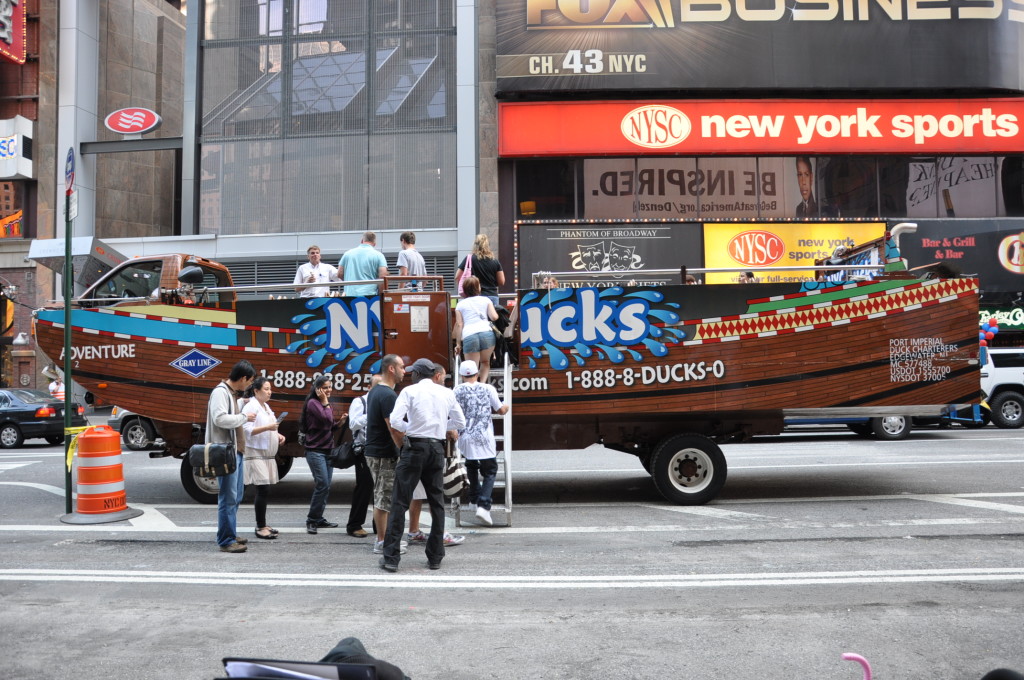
x=992, y=252
x=824, y=45
x=715, y=127
x=630, y=248
x=13, y=30
x=775, y=245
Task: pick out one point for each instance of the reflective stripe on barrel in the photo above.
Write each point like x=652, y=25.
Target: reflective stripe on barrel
x=100, y=474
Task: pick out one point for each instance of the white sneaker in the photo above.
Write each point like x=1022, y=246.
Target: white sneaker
x=378, y=548
x=484, y=516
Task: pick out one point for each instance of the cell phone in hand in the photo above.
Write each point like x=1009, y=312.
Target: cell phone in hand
x=282, y=416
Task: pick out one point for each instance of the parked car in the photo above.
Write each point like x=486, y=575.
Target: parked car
x=34, y=414
x=886, y=427
x=1002, y=381
x=137, y=432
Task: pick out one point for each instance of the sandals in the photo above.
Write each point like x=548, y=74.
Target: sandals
x=270, y=534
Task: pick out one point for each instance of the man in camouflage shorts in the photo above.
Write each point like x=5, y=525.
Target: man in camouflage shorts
x=381, y=452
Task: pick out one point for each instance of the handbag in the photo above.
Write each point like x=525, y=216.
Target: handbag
x=344, y=454
x=466, y=272
x=455, y=479
x=212, y=460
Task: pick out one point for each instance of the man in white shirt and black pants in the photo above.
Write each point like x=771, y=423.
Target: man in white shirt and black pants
x=424, y=413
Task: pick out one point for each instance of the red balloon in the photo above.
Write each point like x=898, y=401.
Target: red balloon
x=993, y=321
x=989, y=335
x=983, y=343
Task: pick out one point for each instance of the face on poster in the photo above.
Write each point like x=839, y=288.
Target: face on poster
x=777, y=245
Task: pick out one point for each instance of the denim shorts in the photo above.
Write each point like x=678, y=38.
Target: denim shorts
x=478, y=342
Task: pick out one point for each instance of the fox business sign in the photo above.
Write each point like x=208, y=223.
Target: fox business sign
x=555, y=45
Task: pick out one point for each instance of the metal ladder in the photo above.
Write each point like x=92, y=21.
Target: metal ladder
x=503, y=442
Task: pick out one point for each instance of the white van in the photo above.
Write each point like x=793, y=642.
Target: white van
x=1002, y=380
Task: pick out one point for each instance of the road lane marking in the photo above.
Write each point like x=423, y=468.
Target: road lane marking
x=518, y=582
x=705, y=511
x=970, y=503
x=5, y=466
x=33, y=485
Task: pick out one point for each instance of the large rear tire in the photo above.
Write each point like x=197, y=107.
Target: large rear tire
x=688, y=469
x=202, y=489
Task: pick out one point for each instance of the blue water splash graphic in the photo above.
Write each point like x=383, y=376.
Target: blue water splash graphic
x=356, y=364
x=314, y=359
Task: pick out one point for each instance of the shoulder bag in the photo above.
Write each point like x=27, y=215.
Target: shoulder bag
x=455, y=479
x=467, y=271
x=215, y=459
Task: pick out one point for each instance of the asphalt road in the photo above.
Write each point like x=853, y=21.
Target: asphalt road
x=908, y=553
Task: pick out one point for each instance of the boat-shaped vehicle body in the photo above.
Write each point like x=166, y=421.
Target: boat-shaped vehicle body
x=659, y=372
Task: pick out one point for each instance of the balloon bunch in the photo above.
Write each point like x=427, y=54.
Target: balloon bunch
x=987, y=332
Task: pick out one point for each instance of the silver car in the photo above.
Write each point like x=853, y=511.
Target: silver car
x=137, y=432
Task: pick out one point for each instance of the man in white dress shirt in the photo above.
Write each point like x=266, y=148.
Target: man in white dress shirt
x=424, y=413
x=314, y=271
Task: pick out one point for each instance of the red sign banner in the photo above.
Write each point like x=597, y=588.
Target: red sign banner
x=905, y=126
x=13, y=31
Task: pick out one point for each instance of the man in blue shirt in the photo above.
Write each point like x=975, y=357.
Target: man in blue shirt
x=362, y=263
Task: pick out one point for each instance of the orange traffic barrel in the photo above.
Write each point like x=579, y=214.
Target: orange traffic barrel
x=100, y=485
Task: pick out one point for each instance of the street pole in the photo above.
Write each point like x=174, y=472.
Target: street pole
x=69, y=184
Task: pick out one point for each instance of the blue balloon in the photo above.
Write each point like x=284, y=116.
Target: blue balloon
x=986, y=328
x=981, y=335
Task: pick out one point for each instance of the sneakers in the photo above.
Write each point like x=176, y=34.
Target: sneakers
x=310, y=527
x=449, y=539
x=484, y=515
x=388, y=566
x=235, y=547
x=324, y=524
x=378, y=548
x=243, y=541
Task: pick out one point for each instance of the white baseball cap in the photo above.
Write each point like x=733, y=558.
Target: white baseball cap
x=468, y=368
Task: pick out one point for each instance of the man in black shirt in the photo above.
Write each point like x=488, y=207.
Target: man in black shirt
x=381, y=453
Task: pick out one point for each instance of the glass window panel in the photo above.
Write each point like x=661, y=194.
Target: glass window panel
x=414, y=77
x=727, y=187
x=848, y=186
x=663, y=188
x=546, y=188
x=1011, y=186
x=242, y=90
x=230, y=19
x=412, y=180
x=779, y=187
x=916, y=185
x=966, y=186
x=330, y=16
x=404, y=15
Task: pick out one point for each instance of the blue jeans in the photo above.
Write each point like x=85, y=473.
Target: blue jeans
x=229, y=495
x=322, y=474
x=480, y=490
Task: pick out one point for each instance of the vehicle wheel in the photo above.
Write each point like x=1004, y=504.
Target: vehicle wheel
x=53, y=440
x=137, y=434
x=863, y=429
x=891, y=428
x=10, y=436
x=1007, y=410
x=284, y=464
x=646, y=462
x=202, y=489
x=688, y=469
